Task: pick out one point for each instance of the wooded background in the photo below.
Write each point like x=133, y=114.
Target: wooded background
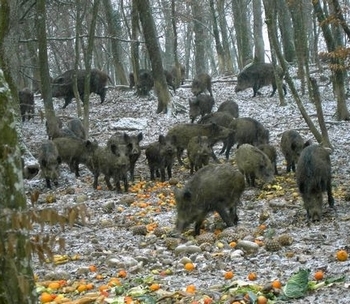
x=39, y=39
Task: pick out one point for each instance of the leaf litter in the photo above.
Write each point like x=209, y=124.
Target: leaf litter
x=133, y=232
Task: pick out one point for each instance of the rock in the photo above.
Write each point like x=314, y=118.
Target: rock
x=187, y=249
x=247, y=246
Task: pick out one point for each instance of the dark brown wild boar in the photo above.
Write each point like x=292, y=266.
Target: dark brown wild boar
x=199, y=152
x=184, y=132
x=200, y=105
x=291, y=145
x=26, y=103
x=62, y=86
x=201, y=83
x=74, y=151
x=212, y=188
x=160, y=156
x=252, y=162
x=314, y=176
x=134, y=141
x=49, y=161
x=256, y=76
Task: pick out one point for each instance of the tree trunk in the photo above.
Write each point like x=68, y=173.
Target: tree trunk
x=88, y=59
x=200, y=61
x=149, y=33
x=225, y=37
x=300, y=40
x=44, y=67
x=16, y=279
x=286, y=29
x=135, y=58
x=259, y=50
x=218, y=46
x=318, y=103
x=243, y=34
x=271, y=23
x=111, y=26
x=342, y=112
x=271, y=19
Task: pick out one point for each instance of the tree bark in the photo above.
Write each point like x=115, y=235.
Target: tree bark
x=259, y=50
x=88, y=59
x=44, y=67
x=243, y=34
x=218, y=45
x=271, y=22
x=149, y=33
x=342, y=112
x=111, y=26
x=200, y=61
x=16, y=279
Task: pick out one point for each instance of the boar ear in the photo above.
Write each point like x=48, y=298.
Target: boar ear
x=161, y=139
x=113, y=148
x=173, y=139
x=187, y=194
x=139, y=136
x=59, y=80
x=307, y=143
x=126, y=137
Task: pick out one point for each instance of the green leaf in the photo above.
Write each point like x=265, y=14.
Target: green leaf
x=297, y=285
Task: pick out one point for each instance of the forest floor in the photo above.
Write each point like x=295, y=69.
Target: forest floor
x=124, y=249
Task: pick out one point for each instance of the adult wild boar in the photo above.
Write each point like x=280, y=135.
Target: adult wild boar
x=62, y=86
x=26, y=103
x=256, y=76
x=314, y=176
x=212, y=188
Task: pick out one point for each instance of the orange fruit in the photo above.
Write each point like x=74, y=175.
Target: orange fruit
x=46, y=297
x=114, y=282
x=262, y=300
x=233, y=244
x=189, y=266
x=276, y=284
x=319, y=275
x=154, y=287
x=208, y=301
x=122, y=274
x=228, y=275
x=82, y=287
x=93, y=268
x=191, y=289
x=128, y=300
x=89, y=286
x=342, y=255
x=54, y=285
x=252, y=276
x=262, y=227
x=103, y=287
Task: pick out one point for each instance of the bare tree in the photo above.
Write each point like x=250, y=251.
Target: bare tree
x=218, y=45
x=259, y=46
x=337, y=63
x=46, y=92
x=149, y=34
x=271, y=20
x=112, y=30
x=199, y=36
x=286, y=29
x=225, y=37
x=243, y=33
x=16, y=280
